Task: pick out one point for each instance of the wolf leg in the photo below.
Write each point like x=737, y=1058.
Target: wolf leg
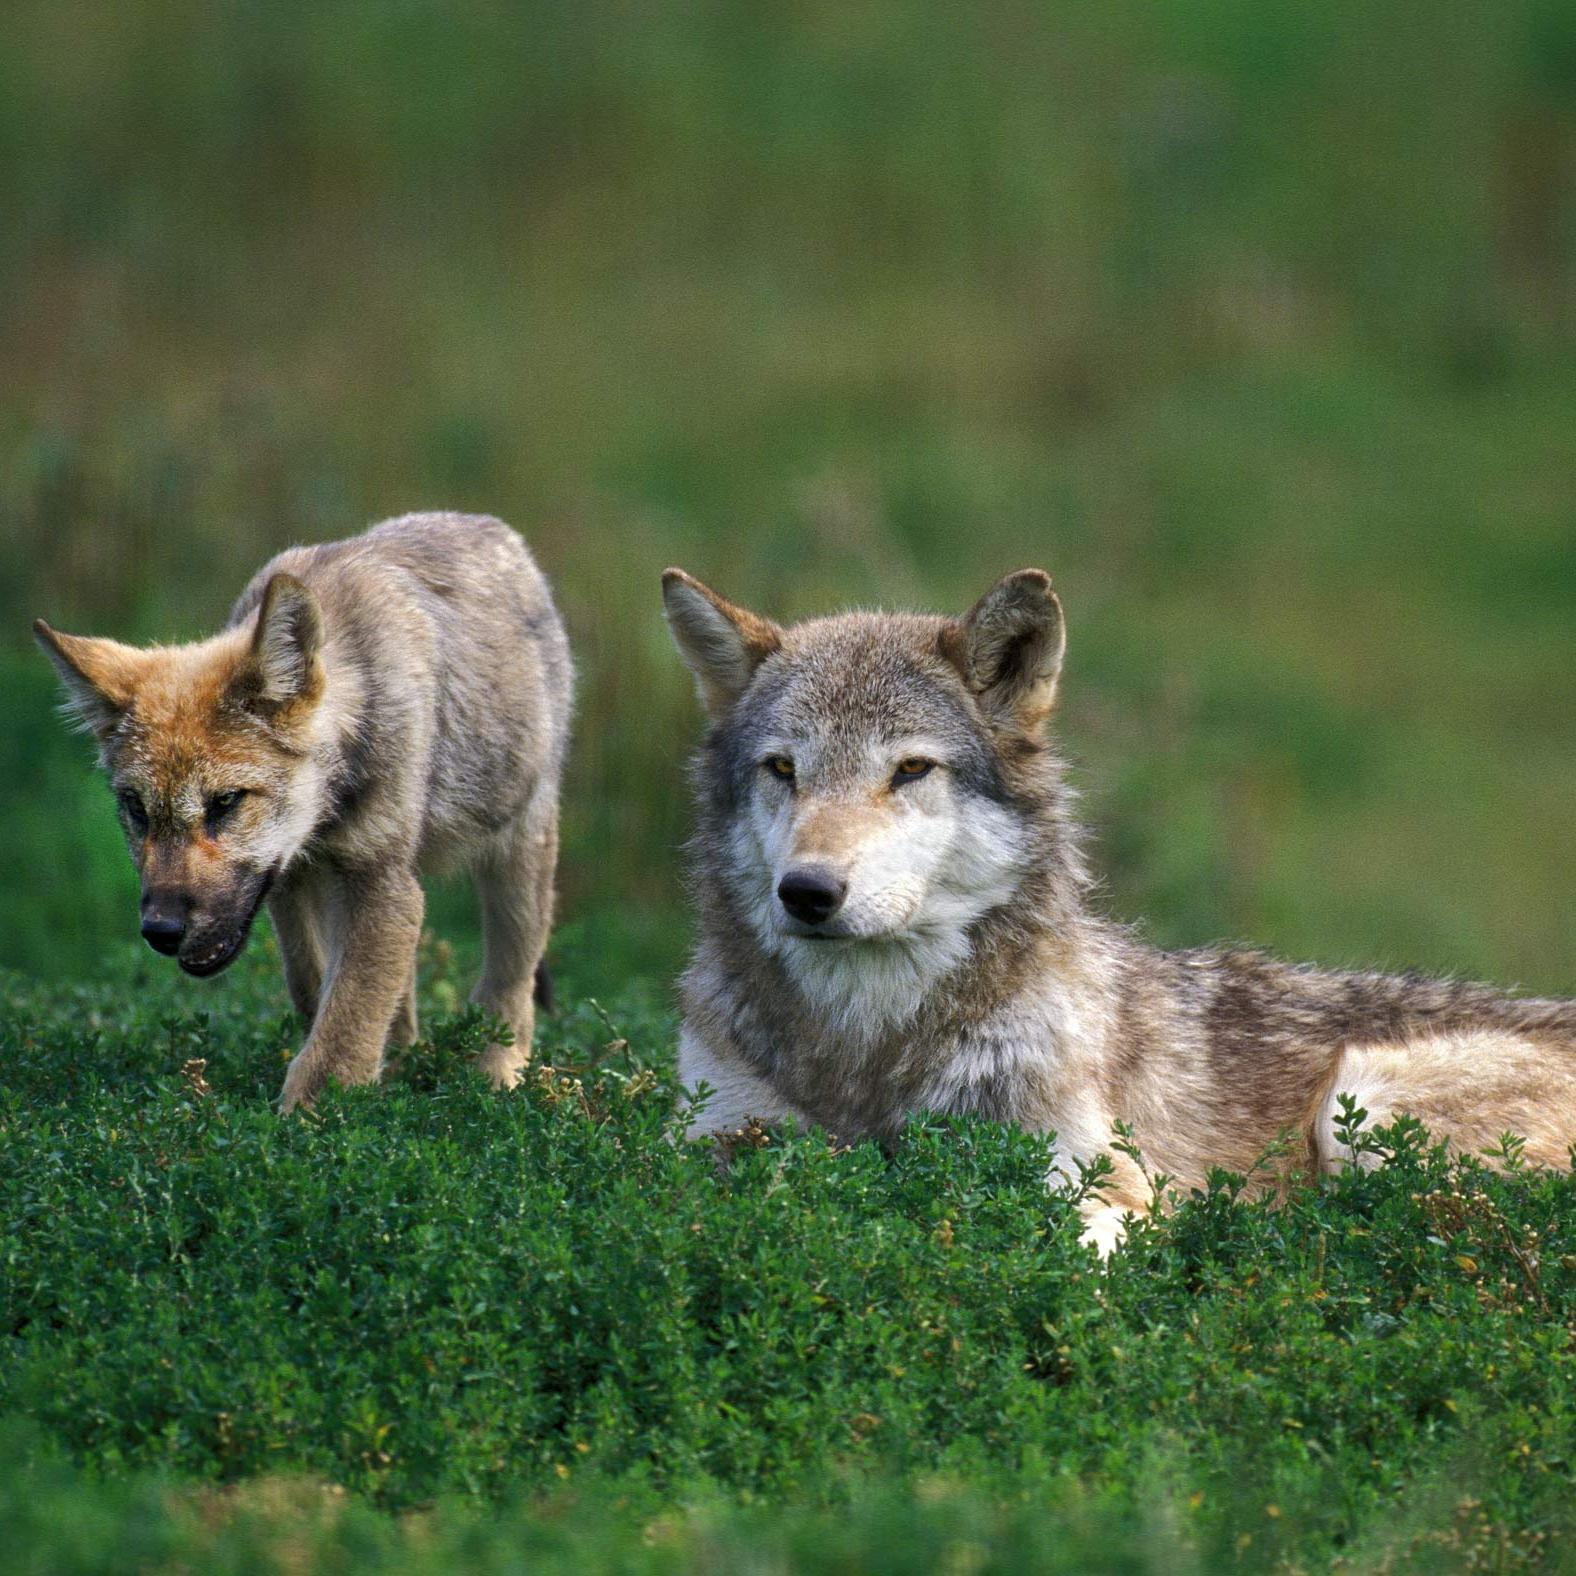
x=404, y=1030
x=1105, y=1225
x=1469, y=1087
x=1124, y=1191
x=514, y=881
x=291, y=907
x=739, y=1095
x=377, y=923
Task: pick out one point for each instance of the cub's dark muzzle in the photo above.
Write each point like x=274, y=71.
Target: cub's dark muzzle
x=164, y=921
x=811, y=894
x=214, y=940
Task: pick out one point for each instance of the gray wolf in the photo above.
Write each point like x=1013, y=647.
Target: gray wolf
x=894, y=916
x=374, y=708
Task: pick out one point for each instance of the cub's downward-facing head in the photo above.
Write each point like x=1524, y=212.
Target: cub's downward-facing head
x=207, y=748
x=873, y=779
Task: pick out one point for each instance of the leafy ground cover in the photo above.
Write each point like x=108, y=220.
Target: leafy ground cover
x=433, y=1327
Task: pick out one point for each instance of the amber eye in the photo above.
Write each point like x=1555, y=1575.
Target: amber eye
x=911, y=770
x=779, y=766
x=221, y=806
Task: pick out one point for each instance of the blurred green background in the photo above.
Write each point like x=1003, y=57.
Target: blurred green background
x=1251, y=321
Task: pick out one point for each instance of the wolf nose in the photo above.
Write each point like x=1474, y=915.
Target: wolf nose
x=163, y=935
x=163, y=925
x=811, y=895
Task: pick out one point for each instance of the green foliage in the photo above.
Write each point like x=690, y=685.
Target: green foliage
x=66, y=882
x=432, y=1296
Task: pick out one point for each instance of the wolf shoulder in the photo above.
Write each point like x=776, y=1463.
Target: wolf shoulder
x=448, y=681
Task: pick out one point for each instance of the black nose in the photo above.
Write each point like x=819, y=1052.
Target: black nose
x=164, y=924
x=163, y=935
x=811, y=895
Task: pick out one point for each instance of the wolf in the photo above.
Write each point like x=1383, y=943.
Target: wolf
x=373, y=709
x=895, y=916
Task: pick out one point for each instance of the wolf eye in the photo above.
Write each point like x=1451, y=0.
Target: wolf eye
x=132, y=806
x=221, y=805
x=911, y=770
x=779, y=766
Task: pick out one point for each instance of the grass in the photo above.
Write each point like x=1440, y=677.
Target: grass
x=432, y=1318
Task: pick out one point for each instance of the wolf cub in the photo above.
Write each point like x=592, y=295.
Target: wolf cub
x=374, y=708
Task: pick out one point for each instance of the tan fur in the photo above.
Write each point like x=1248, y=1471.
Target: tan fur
x=390, y=704
x=830, y=833
x=961, y=966
x=1476, y=1085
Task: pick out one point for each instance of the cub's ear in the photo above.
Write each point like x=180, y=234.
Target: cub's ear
x=1009, y=648
x=722, y=644
x=100, y=676
x=285, y=663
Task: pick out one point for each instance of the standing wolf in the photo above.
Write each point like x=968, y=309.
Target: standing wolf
x=894, y=917
x=375, y=707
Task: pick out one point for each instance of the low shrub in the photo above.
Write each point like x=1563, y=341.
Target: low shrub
x=427, y=1299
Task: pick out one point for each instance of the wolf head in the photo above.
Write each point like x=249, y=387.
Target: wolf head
x=208, y=751
x=874, y=783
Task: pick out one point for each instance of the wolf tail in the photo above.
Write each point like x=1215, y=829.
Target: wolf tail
x=543, y=991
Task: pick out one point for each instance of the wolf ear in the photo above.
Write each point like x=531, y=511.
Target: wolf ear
x=1009, y=647
x=722, y=644
x=285, y=663
x=100, y=676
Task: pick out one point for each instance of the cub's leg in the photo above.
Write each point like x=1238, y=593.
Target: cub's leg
x=292, y=906
x=514, y=881
x=375, y=925
x=404, y=1029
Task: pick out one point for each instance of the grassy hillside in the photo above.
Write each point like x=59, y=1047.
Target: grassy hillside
x=1249, y=322
x=534, y=1322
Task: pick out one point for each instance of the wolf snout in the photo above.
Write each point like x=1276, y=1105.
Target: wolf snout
x=811, y=894
x=164, y=923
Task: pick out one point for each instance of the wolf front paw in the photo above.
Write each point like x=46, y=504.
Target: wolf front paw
x=1104, y=1229
x=503, y=1065
x=303, y=1084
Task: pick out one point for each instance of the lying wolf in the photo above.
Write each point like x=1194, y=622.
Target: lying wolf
x=894, y=917
x=374, y=707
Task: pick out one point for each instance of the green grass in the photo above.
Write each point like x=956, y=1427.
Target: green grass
x=538, y=1317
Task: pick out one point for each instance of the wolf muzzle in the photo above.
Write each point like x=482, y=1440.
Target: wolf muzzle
x=202, y=949
x=164, y=922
